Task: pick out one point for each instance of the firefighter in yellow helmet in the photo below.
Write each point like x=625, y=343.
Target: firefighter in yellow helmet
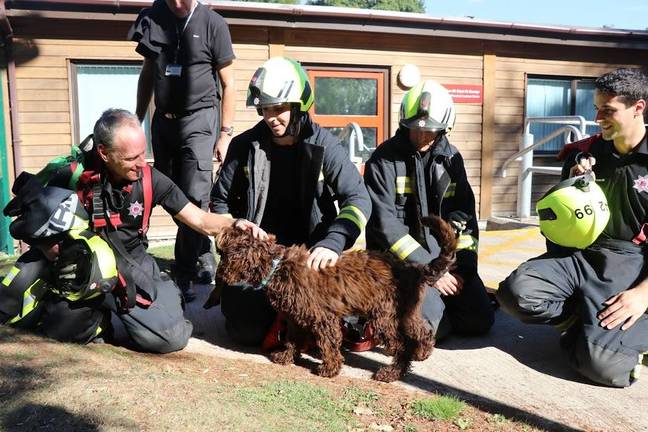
x=286, y=174
x=592, y=284
x=418, y=173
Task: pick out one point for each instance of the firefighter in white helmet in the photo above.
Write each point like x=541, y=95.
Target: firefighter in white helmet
x=418, y=173
x=286, y=174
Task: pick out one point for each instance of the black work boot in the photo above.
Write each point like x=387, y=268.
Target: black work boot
x=206, y=269
x=186, y=288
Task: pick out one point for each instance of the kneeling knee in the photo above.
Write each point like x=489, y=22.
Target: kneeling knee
x=172, y=340
x=610, y=368
x=516, y=296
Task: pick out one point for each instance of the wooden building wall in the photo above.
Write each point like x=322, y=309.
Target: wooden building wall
x=511, y=77
x=486, y=135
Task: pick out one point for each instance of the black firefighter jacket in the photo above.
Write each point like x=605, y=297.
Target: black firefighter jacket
x=395, y=179
x=326, y=175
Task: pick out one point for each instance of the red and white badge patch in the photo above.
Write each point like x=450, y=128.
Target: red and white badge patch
x=135, y=209
x=641, y=183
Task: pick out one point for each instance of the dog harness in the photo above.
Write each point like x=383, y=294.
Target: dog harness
x=275, y=265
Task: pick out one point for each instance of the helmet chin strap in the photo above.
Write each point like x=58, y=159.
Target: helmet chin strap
x=294, y=124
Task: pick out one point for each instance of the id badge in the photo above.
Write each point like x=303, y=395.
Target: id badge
x=174, y=70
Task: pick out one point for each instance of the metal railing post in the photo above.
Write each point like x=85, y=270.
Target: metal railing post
x=525, y=178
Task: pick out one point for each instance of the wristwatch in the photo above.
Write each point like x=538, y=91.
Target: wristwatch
x=228, y=130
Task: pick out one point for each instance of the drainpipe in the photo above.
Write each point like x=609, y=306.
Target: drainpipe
x=7, y=33
x=7, y=38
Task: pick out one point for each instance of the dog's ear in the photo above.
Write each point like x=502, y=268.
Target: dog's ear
x=220, y=239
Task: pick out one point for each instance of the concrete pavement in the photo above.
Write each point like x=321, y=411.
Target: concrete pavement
x=517, y=369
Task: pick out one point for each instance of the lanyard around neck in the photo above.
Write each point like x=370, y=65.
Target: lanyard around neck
x=180, y=33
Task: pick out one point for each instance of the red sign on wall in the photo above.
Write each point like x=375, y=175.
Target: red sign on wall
x=465, y=93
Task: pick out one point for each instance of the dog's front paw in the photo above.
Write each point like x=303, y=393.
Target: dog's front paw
x=422, y=352
x=387, y=374
x=328, y=370
x=283, y=357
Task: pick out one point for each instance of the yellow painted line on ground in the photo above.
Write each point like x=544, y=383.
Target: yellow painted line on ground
x=508, y=245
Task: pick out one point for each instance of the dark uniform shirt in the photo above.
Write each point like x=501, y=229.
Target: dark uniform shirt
x=130, y=205
x=204, y=45
x=624, y=180
x=281, y=204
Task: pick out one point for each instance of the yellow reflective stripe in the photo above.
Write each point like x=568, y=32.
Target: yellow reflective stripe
x=404, y=246
x=452, y=187
x=320, y=177
x=98, y=331
x=102, y=252
x=10, y=276
x=468, y=242
x=75, y=296
x=353, y=214
x=246, y=171
x=404, y=185
x=29, y=302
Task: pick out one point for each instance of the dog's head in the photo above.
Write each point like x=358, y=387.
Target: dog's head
x=244, y=258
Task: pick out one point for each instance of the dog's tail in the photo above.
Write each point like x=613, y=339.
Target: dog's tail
x=447, y=240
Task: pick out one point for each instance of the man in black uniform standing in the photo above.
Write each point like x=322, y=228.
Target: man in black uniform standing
x=187, y=52
x=155, y=323
x=598, y=296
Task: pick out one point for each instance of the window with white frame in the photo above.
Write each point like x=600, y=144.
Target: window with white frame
x=558, y=97
x=99, y=86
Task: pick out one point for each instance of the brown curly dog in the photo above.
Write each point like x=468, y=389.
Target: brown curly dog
x=387, y=291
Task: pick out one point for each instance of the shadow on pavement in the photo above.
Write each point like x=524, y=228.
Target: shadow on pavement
x=535, y=346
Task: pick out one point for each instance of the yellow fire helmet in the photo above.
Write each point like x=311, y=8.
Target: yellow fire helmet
x=574, y=212
x=96, y=266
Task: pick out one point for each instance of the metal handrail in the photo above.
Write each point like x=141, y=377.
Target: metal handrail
x=563, y=130
x=353, y=133
x=573, y=125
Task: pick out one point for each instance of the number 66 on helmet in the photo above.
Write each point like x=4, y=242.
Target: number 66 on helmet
x=574, y=212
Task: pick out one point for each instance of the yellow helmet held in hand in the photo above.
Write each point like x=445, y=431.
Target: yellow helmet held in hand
x=574, y=212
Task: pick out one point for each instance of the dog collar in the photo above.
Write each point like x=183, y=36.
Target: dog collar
x=275, y=266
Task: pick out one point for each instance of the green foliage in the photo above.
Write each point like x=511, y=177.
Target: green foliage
x=462, y=423
x=416, y=6
x=355, y=396
x=273, y=1
x=441, y=408
x=498, y=418
x=310, y=407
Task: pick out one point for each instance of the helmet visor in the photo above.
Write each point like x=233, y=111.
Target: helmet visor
x=423, y=123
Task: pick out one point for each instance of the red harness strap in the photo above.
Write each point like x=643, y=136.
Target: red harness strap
x=147, y=184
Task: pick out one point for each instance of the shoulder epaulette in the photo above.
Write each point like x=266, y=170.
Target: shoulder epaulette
x=583, y=145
